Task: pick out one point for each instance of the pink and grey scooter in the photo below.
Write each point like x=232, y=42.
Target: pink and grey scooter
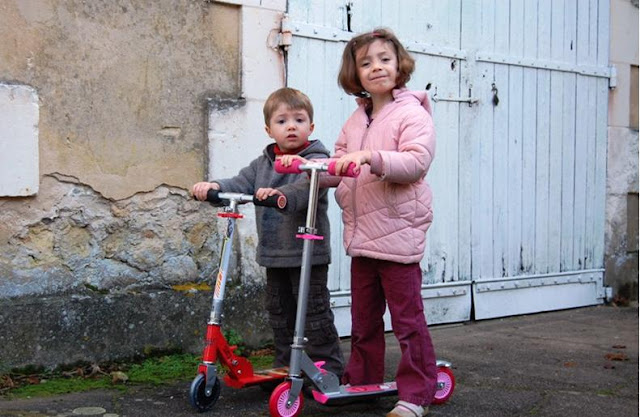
x=286, y=400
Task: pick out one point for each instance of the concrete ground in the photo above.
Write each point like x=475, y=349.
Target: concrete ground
x=580, y=362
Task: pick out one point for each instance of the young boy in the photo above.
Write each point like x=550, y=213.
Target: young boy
x=288, y=116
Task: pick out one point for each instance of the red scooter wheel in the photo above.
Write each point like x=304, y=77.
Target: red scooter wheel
x=446, y=382
x=278, y=402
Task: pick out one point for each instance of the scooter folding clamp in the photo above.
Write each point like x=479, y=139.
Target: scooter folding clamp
x=308, y=233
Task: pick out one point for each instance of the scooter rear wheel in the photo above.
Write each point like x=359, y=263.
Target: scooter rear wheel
x=278, y=402
x=446, y=383
x=197, y=393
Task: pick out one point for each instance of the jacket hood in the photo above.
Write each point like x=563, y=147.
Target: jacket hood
x=401, y=95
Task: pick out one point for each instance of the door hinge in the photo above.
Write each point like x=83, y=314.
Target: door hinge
x=280, y=38
x=286, y=37
x=613, y=77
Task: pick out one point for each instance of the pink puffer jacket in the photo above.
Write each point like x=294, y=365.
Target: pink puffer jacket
x=386, y=210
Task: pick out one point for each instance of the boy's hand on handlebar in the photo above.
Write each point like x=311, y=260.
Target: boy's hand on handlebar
x=264, y=193
x=286, y=160
x=199, y=190
x=357, y=158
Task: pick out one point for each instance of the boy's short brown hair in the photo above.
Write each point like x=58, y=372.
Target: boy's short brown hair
x=294, y=99
x=348, y=75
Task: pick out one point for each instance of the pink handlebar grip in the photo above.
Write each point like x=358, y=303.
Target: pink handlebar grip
x=294, y=168
x=350, y=170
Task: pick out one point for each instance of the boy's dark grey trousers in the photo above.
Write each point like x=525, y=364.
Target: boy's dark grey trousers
x=281, y=302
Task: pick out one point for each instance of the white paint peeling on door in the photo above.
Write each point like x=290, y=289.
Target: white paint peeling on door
x=537, y=170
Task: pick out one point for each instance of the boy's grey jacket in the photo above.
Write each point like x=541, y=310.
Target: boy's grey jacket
x=278, y=246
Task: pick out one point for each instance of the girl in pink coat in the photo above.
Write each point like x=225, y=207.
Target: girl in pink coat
x=386, y=212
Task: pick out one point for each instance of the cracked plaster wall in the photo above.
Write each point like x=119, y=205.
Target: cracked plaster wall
x=74, y=240
x=123, y=86
x=88, y=279
x=124, y=91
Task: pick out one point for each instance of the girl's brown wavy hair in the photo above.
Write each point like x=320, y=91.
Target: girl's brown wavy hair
x=348, y=75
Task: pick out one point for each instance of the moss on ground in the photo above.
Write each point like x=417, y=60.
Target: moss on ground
x=151, y=371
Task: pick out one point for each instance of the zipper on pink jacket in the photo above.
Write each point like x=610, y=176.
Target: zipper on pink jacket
x=355, y=218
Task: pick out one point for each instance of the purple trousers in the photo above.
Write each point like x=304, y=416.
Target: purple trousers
x=372, y=282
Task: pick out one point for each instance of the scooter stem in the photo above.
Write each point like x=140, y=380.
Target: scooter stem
x=225, y=256
x=297, y=348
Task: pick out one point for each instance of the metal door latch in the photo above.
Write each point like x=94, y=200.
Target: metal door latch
x=471, y=100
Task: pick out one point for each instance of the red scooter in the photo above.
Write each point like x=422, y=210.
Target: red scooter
x=205, y=388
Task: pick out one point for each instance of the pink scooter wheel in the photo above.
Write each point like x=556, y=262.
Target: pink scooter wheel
x=446, y=383
x=278, y=402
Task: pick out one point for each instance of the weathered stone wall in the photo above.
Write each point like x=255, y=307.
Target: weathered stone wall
x=95, y=327
x=102, y=263
x=85, y=278
x=74, y=240
x=621, y=231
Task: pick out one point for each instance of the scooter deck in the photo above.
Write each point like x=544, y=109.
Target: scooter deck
x=258, y=377
x=355, y=393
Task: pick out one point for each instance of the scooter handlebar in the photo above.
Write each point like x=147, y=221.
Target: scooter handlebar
x=213, y=196
x=351, y=172
x=276, y=201
x=294, y=168
x=297, y=167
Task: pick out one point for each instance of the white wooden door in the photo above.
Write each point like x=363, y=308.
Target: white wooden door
x=534, y=203
x=519, y=183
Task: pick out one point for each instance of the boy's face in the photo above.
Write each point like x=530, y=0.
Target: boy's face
x=289, y=128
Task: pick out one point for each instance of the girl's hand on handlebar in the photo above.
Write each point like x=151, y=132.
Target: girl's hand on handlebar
x=286, y=160
x=263, y=193
x=199, y=190
x=357, y=158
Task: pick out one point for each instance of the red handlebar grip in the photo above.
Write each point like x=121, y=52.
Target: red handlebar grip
x=350, y=171
x=294, y=168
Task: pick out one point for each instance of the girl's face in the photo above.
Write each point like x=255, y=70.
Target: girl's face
x=377, y=67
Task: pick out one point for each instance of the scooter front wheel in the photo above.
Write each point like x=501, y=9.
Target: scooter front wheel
x=446, y=383
x=278, y=402
x=198, y=395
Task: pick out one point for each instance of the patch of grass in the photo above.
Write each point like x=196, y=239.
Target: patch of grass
x=36, y=382
x=58, y=386
x=157, y=367
x=261, y=362
x=157, y=371
x=233, y=338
